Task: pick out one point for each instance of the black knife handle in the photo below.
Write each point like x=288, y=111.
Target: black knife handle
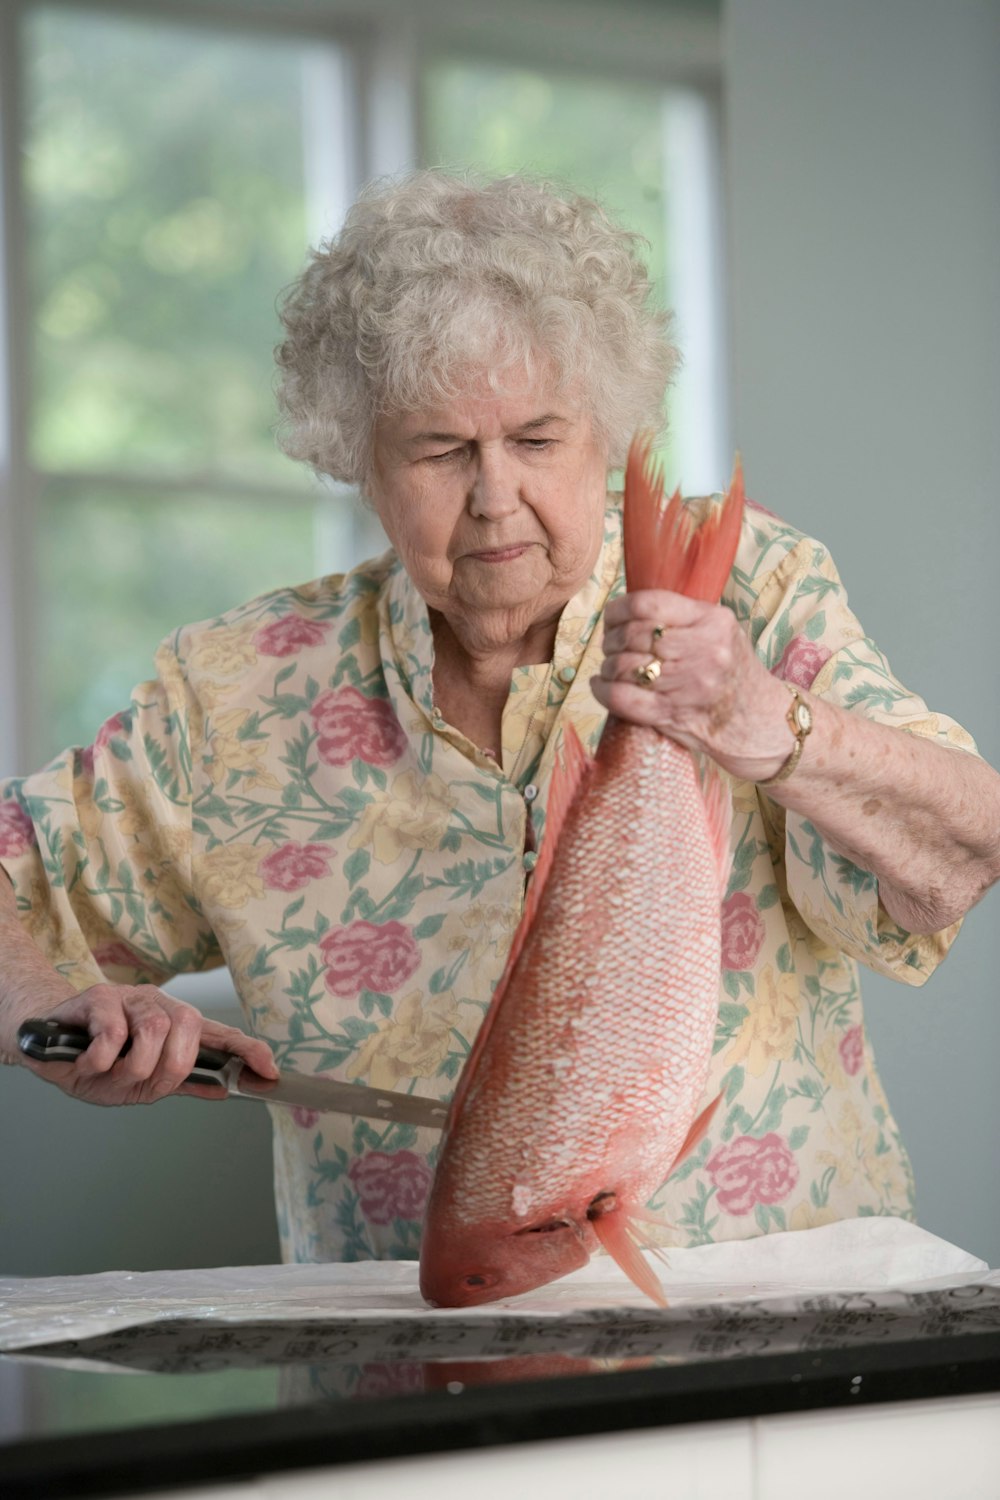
x=63, y=1041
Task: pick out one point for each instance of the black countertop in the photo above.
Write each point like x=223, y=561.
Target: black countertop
x=235, y=1405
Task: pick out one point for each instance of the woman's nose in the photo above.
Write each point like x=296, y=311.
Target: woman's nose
x=494, y=492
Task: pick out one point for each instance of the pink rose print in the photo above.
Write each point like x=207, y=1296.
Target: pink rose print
x=801, y=661
x=305, y=1119
x=17, y=832
x=742, y=931
x=756, y=505
x=286, y=636
x=350, y=725
x=117, y=724
x=748, y=1171
x=294, y=865
x=852, y=1050
x=365, y=957
x=391, y=1186
x=117, y=955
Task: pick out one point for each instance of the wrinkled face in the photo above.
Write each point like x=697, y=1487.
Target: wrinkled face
x=483, y=1267
x=494, y=503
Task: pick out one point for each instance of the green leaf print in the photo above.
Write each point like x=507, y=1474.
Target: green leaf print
x=816, y=625
x=732, y=1082
x=693, y=1218
x=356, y=865
x=428, y=927
x=350, y=635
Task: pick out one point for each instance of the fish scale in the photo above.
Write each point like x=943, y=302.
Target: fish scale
x=585, y=1084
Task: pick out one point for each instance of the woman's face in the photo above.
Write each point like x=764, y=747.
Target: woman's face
x=494, y=504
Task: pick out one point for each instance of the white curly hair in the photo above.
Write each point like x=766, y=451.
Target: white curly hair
x=439, y=280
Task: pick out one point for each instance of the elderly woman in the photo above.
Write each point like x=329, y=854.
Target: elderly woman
x=338, y=789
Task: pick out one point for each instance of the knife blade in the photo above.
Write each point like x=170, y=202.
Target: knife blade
x=62, y=1041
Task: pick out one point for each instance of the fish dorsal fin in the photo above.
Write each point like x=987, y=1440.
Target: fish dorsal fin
x=619, y=1236
x=571, y=771
x=664, y=549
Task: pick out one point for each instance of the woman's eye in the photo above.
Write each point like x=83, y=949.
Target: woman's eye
x=442, y=458
x=536, y=445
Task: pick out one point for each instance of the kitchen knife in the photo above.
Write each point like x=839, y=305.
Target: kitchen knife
x=61, y=1041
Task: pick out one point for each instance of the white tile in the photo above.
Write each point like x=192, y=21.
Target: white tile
x=948, y=1449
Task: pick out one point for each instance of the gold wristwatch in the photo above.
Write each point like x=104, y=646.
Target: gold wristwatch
x=800, y=722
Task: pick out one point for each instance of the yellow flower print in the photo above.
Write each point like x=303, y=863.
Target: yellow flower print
x=819, y=923
x=491, y=927
x=134, y=817
x=413, y=814
x=806, y=1215
x=744, y=795
x=413, y=1044
x=230, y=753
x=255, y=990
x=768, y=1033
x=853, y=1146
x=222, y=652
x=829, y=1062
x=227, y=875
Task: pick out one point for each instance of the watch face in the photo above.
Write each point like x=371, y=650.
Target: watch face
x=803, y=716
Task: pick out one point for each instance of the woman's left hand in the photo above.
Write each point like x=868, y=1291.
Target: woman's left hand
x=712, y=693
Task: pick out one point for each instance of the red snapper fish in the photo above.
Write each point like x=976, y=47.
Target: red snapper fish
x=581, y=1092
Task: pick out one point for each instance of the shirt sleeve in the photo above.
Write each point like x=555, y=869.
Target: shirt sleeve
x=98, y=844
x=811, y=639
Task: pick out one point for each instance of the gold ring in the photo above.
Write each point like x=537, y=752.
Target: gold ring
x=647, y=675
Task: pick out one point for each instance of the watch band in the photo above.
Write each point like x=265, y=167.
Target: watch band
x=799, y=719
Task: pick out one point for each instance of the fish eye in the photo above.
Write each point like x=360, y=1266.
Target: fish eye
x=478, y=1279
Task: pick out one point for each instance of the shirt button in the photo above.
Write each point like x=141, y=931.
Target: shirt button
x=530, y=792
x=529, y=860
x=566, y=674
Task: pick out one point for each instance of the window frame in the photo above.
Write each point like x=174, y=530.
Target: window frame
x=386, y=44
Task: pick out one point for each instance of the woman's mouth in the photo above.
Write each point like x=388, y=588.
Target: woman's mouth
x=499, y=554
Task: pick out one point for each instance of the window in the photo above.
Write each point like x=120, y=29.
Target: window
x=162, y=179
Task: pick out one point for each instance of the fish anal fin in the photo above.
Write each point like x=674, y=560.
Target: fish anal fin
x=620, y=1238
x=572, y=769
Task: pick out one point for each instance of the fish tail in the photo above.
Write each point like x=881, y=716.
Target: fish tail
x=664, y=548
x=623, y=1240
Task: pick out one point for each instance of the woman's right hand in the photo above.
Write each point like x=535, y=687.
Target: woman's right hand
x=166, y=1035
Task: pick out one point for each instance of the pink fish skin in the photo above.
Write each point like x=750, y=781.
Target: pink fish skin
x=584, y=1086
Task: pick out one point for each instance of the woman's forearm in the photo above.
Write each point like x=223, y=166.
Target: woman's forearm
x=29, y=984
x=920, y=816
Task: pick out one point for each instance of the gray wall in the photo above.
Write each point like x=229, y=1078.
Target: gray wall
x=863, y=142
x=185, y=1182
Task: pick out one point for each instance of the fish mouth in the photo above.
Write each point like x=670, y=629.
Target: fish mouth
x=548, y=1226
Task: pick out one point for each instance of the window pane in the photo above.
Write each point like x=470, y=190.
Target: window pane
x=611, y=139
x=166, y=210
x=119, y=572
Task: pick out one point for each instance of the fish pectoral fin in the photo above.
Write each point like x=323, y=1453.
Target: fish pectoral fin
x=622, y=1239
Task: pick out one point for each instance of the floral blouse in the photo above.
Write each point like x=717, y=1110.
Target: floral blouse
x=286, y=799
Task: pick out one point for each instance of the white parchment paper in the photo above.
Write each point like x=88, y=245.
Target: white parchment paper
x=880, y=1256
